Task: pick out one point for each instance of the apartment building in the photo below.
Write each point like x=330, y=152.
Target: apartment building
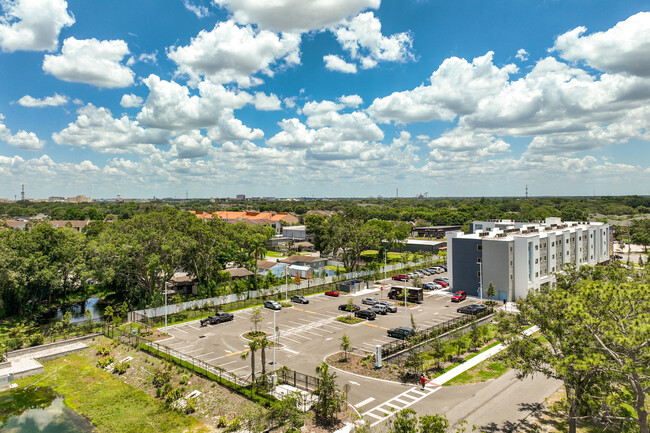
x=517, y=257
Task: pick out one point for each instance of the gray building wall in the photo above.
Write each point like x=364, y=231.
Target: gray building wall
x=465, y=269
x=497, y=256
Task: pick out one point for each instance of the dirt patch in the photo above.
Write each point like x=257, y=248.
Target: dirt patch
x=364, y=366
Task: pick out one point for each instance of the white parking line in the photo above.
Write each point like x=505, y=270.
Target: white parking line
x=240, y=368
x=365, y=402
x=205, y=354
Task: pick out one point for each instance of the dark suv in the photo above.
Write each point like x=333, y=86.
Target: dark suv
x=472, y=309
x=402, y=332
x=217, y=318
x=365, y=314
x=299, y=299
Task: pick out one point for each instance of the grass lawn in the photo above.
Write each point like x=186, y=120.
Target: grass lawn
x=110, y=404
x=349, y=320
x=274, y=254
x=486, y=370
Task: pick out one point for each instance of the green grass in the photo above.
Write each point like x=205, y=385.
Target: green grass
x=349, y=320
x=486, y=370
x=274, y=254
x=110, y=404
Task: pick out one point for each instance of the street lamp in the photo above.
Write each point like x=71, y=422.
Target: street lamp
x=385, y=253
x=480, y=279
x=405, y=322
x=166, y=306
x=286, y=282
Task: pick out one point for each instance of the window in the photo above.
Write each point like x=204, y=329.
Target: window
x=536, y=261
x=511, y=276
x=479, y=260
x=478, y=274
x=536, y=274
x=567, y=241
x=591, y=235
x=553, y=269
x=479, y=247
x=553, y=256
x=510, y=262
x=510, y=248
x=567, y=253
x=580, y=238
x=552, y=244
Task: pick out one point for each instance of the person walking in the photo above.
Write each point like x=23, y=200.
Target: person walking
x=423, y=380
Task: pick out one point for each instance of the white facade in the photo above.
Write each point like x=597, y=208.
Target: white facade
x=519, y=258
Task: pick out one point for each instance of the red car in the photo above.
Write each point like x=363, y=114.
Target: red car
x=400, y=277
x=443, y=283
x=332, y=293
x=459, y=296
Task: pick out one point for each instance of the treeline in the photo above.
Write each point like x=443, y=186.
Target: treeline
x=434, y=211
x=44, y=266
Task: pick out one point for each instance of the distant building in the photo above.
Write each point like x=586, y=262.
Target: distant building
x=240, y=196
x=296, y=233
x=519, y=257
x=433, y=231
x=79, y=199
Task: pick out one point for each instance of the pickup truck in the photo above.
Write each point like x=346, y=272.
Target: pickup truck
x=217, y=318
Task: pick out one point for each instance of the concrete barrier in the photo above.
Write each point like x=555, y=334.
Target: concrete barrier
x=34, y=349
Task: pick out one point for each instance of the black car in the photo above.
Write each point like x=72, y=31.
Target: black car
x=402, y=332
x=299, y=299
x=217, y=318
x=365, y=314
x=472, y=309
x=344, y=307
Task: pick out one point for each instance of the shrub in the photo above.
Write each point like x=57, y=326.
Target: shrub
x=105, y=361
x=222, y=421
x=161, y=376
x=120, y=368
x=173, y=395
x=184, y=379
x=36, y=339
x=103, y=350
x=190, y=407
x=234, y=425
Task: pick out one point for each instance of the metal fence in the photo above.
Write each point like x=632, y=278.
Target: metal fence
x=392, y=349
x=298, y=380
x=151, y=316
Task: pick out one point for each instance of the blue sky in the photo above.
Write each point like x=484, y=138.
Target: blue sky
x=338, y=98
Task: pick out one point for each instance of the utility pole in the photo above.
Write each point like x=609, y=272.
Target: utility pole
x=165, y=307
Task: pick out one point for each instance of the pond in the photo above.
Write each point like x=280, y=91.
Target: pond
x=38, y=409
x=78, y=310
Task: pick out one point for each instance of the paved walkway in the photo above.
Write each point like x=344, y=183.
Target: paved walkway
x=387, y=409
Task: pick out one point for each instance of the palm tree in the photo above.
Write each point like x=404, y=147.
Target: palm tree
x=263, y=344
x=253, y=346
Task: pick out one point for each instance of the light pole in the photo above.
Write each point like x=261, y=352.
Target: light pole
x=405, y=322
x=480, y=279
x=275, y=338
x=166, y=307
x=385, y=253
x=286, y=282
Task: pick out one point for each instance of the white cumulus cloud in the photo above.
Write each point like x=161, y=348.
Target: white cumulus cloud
x=92, y=62
x=623, y=48
x=522, y=54
x=264, y=102
x=33, y=25
x=22, y=139
x=295, y=15
x=231, y=53
x=361, y=36
x=48, y=101
x=96, y=129
x=131, y=100
x=335, y=63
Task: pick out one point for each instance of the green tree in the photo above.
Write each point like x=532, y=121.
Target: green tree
x=345, y=345
x=88, y=325
x=328, y=396
x=404, y=421
x=349, y=307
x=256, y=319
x=66, y=321
x=253, y=346
x=491, y=291
x=264, y=343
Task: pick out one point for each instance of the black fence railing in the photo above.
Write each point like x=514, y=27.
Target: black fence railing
x=431, y=332
x=298, y=380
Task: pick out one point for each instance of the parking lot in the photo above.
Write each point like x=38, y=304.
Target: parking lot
x=307, y=332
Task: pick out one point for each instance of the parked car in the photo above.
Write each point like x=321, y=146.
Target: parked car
x=217, y=318
x=431, y=286
x=299, y=299
x=344, y=307
x=365, y=314
x=273, y=305
x=400, y=277
x=441, y=282
x=472, y=309
x=379, y=309
x=461, y=295
x=410, y=275
x=369, y=301
x=401, y=332
x=331, y=293
x=390, y=307
x=426, y=272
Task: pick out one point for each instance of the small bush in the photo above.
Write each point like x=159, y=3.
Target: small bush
x=184, y=379
x=105, y=361
x=234, y=425
x=120, y=368
x=190, y=407
x=222, y=421
x=161, y=376
x=36, y=339
x=173, y=395
x=104, y=350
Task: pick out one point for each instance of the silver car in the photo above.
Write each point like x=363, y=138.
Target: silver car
x=379, y=309
x=369, y=301
x=390, y=307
